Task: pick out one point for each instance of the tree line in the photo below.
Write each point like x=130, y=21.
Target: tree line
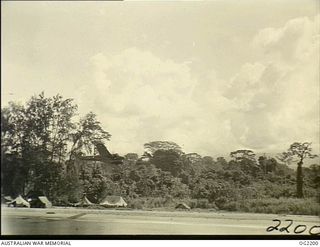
x=42, y=139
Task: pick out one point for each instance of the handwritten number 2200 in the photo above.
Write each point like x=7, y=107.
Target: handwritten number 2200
x=298, y=229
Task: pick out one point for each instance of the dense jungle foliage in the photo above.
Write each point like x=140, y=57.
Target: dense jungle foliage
x=41, y=140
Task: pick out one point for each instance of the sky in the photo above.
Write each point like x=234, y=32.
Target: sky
x=212, y=76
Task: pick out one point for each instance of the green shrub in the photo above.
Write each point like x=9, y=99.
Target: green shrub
x=308, y=206
x=135, y=203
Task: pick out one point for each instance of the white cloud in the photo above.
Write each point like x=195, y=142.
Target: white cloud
x=139, y=97
x=277, y=99
x=293, y=43
x=266, y=106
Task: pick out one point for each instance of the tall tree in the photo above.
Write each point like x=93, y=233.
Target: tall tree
x=152, y=147
x=13, y=129
x=167, y=160
x=17, y=148
x=241, y=154
x=36, y=135
x=298, y=152
x=50, y=124
x=88, y=131
x=60, y=126
x=267, y=164
x=246, y=160
x=131, y=158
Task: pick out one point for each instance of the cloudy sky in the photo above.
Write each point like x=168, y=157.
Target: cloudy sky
x=211, y=76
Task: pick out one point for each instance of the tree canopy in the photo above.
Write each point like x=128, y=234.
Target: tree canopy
x=44, y=148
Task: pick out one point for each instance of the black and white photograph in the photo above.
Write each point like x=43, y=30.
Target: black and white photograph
x=160, y=118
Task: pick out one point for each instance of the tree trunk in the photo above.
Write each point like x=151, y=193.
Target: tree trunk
x=299, y=180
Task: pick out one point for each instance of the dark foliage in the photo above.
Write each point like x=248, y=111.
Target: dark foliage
x=41, y=146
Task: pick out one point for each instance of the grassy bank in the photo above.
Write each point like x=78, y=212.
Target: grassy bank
x=308, y=206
